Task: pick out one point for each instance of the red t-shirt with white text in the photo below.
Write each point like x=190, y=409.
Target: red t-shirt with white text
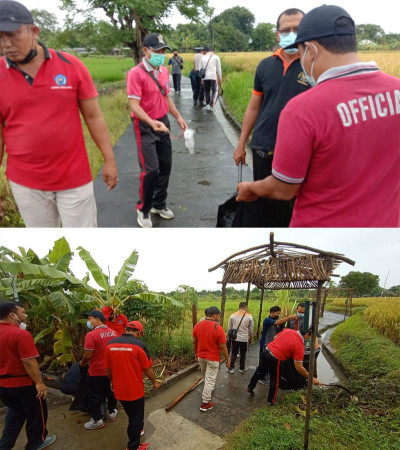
x=209, y=335
x=97, y=341
x=119, y=325
x=341, y=141
x=43, y=130
x=15, y=346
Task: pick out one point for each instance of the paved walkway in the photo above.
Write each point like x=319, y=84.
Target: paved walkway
x=198, y=183
x=185, y=427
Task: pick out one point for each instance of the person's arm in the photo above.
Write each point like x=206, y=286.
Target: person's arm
x=251, y=330
x=269, y=187
x=1, y=142
x=32, y=368
x=97, y=126
x=150, y=375
x=87, y=356
x=219, y=71
x=224, y=351
x=174, y=111
x=195, y=345
x=249, y=120
x=140, y=114
x=302, y=371
x=283, y=320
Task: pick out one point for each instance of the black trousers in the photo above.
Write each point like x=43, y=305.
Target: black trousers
x=278, y=212
x=197, y=87
x=210, y=91
x=99, y=390
x=155, y=160
x=271, y=365
x=176, y=78
x=23, y=406
x=135, y=411
x=235, y=348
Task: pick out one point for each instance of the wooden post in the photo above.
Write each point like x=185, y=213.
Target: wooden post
x=194, y=314
x=326, y=293
x=223, y=301
x=260, y=313
x=315, y=322
x=248, y=292
x=351, y=302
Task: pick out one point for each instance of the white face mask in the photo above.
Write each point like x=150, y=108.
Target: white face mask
x=21, y=325
x=310, y=78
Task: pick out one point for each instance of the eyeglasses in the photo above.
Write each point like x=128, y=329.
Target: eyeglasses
x=288, y=30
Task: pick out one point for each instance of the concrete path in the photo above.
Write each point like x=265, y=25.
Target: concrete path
x=185, y=426
x=198, y=183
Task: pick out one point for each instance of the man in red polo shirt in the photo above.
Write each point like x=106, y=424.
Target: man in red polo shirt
x=338, y=143
x=208, y=342
x=126, y=359
x=288, y=344
x=21, y=385
x=116, y=322
x=98, y=384
x=149, y=111
x=41, y=129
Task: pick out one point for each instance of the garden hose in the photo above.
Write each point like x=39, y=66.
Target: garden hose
x=354, y=398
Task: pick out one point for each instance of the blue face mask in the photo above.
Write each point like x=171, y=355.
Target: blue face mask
x=89, y=325
x=157, y=59
x=300, y=314
x=310, y=78
x=286, y=39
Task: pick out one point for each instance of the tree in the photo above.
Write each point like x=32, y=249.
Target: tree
x=370, y=32
x=394, y=291
x=362, y=283
x=136, y=18
x=263, y=37
x=46, y=21
x=240, y=18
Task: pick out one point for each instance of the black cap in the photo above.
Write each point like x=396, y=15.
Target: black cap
x=309, y=331
x=212, y=310
x=96, y=314
x=321, y=22
x=206, y=48
x=155, y=40
x=13, y=15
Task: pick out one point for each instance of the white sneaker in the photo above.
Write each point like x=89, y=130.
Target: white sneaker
x=144, y=222
x=244, y=370
x=112, y=416
x=93, y=425
x=165, y=213
x=208, y=107
x=230, y=370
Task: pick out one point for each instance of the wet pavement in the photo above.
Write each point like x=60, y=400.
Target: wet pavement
x=185, y=426
x=199, y=182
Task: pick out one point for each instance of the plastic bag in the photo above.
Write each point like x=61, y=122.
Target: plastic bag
x=189, y=140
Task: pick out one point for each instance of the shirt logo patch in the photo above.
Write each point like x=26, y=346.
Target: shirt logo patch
x=60, y=79
x=302, y=79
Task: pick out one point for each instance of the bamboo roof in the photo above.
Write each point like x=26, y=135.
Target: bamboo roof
x=280, y=265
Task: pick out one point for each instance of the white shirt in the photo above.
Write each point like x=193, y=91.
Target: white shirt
x=213, y=67
x=197, y=60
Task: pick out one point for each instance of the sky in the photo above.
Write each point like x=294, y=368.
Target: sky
x=171, y=257
x=384, y=12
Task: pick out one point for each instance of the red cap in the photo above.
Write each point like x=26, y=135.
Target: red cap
x=136, y=325
x=107, y=311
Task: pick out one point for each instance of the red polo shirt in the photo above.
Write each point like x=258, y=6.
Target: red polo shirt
x=15, y=346
x=209, y=335
x=43, y=130
x=97, y=341
x=127, y=357
x=288, y=344
x=119, y=325
x=143, y=88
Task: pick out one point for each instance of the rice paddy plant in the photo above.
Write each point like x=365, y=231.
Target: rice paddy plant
x=385, y=317
x=108, y=69
x=365, y=301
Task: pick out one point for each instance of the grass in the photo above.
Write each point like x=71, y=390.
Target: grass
x=108, y=69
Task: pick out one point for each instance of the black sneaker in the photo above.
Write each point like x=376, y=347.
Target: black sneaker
x=250, y=390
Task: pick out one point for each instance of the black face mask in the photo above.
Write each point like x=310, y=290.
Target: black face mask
x=28, y=58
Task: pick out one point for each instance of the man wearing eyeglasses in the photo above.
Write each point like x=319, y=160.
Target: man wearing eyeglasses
x=278, y=79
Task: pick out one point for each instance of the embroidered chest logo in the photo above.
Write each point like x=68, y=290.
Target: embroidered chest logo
x=60, y=79
x=302, y=79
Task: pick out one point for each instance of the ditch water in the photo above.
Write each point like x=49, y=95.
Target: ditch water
x=328, y=371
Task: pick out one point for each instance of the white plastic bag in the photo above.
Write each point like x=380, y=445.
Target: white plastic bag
x=189, y=140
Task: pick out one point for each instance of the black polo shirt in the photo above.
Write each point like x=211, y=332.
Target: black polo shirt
x=278, y=83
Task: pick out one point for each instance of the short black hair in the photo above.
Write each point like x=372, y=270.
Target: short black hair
x=211, y=311
x=206, y=48
x=302, y=305
x=275, y=308
x=288, y=12
x=175, y=50
x=242, y=305
x=340, y=44
x=7, y=308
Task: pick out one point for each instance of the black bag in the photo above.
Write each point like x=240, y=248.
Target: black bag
x=227, y=211
x=232, y=333
x=202, y=72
